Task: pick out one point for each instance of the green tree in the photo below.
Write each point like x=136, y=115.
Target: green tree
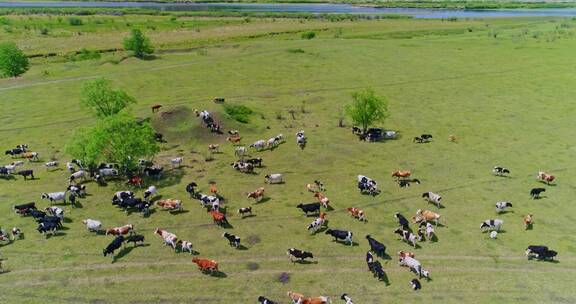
x=138, y=43
x=118, y=139
x=13, y=62
x=99, y=96
x=367, y=108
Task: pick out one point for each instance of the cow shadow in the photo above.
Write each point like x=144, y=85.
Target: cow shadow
x=529, y=227
x=194, y=252
x=248, y=216
x=434, y=238
x=384, y=256
x=505, y=212
x=304, y=262
x=312, y=214
x=227, y=226
x=354, y=244
x=78, y=205
x=8, y=177
x=216, y=274
x=64, y=227
x=385, y=279
x=67, y=220
x=263, y=200
x=178, y=212
x=547, y=184
x=540, y=197
x=123, y=252
x=241, y=247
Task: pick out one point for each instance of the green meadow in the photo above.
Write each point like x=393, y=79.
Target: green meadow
x=504, y=87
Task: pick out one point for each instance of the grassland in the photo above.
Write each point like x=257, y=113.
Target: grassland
x=504, y=87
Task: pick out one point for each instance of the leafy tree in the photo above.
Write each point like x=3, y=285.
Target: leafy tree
x=118, y=139
x=105, y=101
x=367, y=108
x=13, y=62
x=138, y=43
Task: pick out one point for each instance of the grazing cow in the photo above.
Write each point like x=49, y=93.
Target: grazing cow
x=243, y=166
x=535, y=192
x=528, y=221
x=258, y=145
x=357, y=213
x=299, y=254
x=418, y=140
x=426, y=136
x=185, y=246
x=233, y=240
x=70, y=167
x=367, y=185
x=149, y=192
x=154, y=172
x=376, y=269
x=322, y=199
x=17, y=233
x=108, y=172
x=264, y=300
x=244, y=211
x=275, y=178
x=404, y=183
x=55, y=211
x=415, y=284
x=491, y=224
x=541, y=253
x=190, y=188
x=206, y=200
x=407, y=236
x=134, y=239
x=312, y=207
x=402, y=221
x=168, y=237
x=30, y=156
x=430, y=233
x=156, y=107
x=369, y=258
x=271, y=143
x=298, y=298
x=346, y=299
x=177, y=162
x=51, y=165
x=78, y=189
x=500, y=206
x=214, y=148
x=121, y=195
x=545, y=177
x=500, y=170
x=402, y=174
x=234, y=139
x=47, y=227
x=356, y=130
x=218, y=217
x=254, y=161
x=80, y=174
x=4, y=171
x=317, y=223
x=205, y=264
x=233, y=132
x=14, y=152
x=432, y=197
x=376, y=246
x=170, y=204
x=414, y=265
x=54, y=196
x=26, y=173
x=346, y=236
x=92, y=225
x=301, y=139
x=426, y=215
x=115, y=244
x=122, y=230
x=257, y=195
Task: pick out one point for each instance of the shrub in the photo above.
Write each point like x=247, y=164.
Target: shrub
x=75, y=21
x=44, y=31
x=240, y=113
x=308, y=35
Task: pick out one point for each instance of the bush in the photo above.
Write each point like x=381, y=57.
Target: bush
x=75, y=21
x=44, y=31
x=239, y=113
x=308, y=35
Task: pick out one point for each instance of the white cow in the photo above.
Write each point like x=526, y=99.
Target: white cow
x=92, y=225
x=258, y=145
x=54, y=196
x=176, y=162
x=275, y=178
x=432, y=197
x=240, y=151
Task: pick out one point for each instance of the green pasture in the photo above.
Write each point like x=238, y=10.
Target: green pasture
x=504, y=87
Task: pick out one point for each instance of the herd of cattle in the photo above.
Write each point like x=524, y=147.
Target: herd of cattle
x=50, y=219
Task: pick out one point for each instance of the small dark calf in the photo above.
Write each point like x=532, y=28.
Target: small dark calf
x=535, y=192
x=191, y=189
x=232, y=239
x=26, y=173
x=115, y=244
x=135, y=238
x=244, y=211
x=312, y=207
x=415, y=284
x=299, y=254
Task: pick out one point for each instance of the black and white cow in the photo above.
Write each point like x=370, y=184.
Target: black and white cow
x=80, y=174
x=56, y=211
x=369, y=257
x=404, y=183
x=312, y=207
x=149, y=192
x=346, y=299
x=501, y=206
x=255, y=161
x=191, y=189
x=115, y=244
x=54, y=196
x=299, y=254
x=120, y=196
x=376, y=246
x=264, y=300
x=47, y=227
x=233, y=240
x=343, y=235
x=402, y=221
x=407, y=236
x=154, y=172
x=432, y=197
x=14, y=152
x=415, y=284
x=495, y=224
x=500, y=170
x=535, y=192
x=377, y=270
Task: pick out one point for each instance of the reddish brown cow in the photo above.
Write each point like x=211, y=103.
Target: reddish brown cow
x=322, y=199
x=206, y=264
x=402, y=174
x=218, y=217
x=234, y=139
x=300, y=299
x=357, y=213
x=545, y=177
x=120, y=230
x=156, y=107
x=170, y=204
x=135, y=181
x=257, y=195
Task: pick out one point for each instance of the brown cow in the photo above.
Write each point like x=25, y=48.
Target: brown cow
x=545, y=177
x=170, y=204
x=156, y=107
x=322, y=199
x=402, y=174
x=528, y=221
x=257, y=195
x=234, y=139
x=300, y=299
x=120, y=230
x=205, y=264
x=357, y=213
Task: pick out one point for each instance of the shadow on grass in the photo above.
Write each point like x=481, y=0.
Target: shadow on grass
x=304, y=262
x=248, y=216
x=125, y=251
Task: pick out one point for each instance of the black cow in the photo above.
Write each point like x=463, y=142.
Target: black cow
x=46, y=227
x=14, y=152
x=115, y=244
x=255, y=161
x=153, y=171
x=130, y=202
x=36, y=214
x=299, y=254
x=190, y=188
x=340, y=235
x=426, y=136
x=376, y=246
x=233, y=240
x=415, y=284
x=135, y=238
x=120, y=196
x=4, y=171
x=376, y=269
x=402, y=221
x=535, y=192
x=23, y=209
x=312, y=207
x=264, y=300
x=26, y=173
x=158, y=137
x=500, y=170
x=50, y=219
